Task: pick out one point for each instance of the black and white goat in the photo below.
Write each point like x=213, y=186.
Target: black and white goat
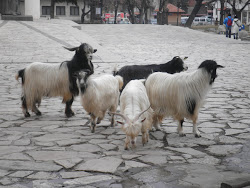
x=180, y=95
x=99, y=94
x=136, y=112
x=54, y=79
x=134, y=72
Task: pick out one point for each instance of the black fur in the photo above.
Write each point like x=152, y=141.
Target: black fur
x=78, y=62
x=210, y=66
x=191, y=104
x=134, y=72
x=21, y=75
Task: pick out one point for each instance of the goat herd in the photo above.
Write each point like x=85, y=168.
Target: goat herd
x=146, y=93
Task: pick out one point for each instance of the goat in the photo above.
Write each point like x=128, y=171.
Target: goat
x=50, y=80
x=134, y=72
x=180, y=95
x=98, y=94
x=136, y=111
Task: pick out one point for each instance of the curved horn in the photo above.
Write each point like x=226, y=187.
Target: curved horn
x=137, y=117
x=220, y=66
x=71, y=49
x=123, y=116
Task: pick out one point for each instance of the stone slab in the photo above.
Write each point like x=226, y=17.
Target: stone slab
x=106, y=164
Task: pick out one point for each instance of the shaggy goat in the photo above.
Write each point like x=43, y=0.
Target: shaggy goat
x=99, y=94
x=134, y=72
x=136, y=111
x=50, y=80
x=180, y=95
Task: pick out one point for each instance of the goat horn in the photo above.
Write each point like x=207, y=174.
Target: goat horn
x=220, y=66
x=71, y=49
x=123, y=116
x=137, y=117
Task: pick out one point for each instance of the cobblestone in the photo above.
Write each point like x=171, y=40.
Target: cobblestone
x=54, y=151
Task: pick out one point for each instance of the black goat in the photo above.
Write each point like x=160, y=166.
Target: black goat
x=134, y=72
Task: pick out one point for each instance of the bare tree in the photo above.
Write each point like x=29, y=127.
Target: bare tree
x=143, y=6
x=196, y=9
x=193, y=13
x=130, y=6
x=233, y=5
x=84, y=13
x=162, y=13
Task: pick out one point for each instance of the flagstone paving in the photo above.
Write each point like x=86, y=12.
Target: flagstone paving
x=54, y=151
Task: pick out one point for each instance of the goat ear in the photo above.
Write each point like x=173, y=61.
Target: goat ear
x=120, y=122
x=220, y=66
x=143, y=120
x=72, y=49
x=95, y=50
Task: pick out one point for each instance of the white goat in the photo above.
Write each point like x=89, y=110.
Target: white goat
x=54, y=79
x=180, y=95
x=136, y=111
x=99, y=94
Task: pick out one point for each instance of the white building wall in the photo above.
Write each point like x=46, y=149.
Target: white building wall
x=67, y=6
x=32, y=7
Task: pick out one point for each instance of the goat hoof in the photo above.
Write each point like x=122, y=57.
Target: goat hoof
x=27, y=114
x=70, y=114
x=182, y=135
x=38, y=113
x=197, y=136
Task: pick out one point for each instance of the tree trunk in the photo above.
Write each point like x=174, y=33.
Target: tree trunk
x=116, y=10
x=92, y=12
x=193, y=14
x=52, y=9
x=221, y=11
x=146, y=16
x=131, y=12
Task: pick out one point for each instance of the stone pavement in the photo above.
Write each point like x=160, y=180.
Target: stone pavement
x=54, y=151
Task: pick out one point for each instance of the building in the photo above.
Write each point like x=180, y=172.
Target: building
x=41, y=9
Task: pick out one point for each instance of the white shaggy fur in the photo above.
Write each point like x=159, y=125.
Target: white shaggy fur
x=99, y=95
x=134, y=105
x=49, y=80
x=180, y=95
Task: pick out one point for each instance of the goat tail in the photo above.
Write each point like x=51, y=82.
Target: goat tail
x=120, y=80
x=20, y=74
x=115, y=70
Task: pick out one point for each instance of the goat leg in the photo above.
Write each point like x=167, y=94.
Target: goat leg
x=68, y=110
x=180, y=128
x=24, y=107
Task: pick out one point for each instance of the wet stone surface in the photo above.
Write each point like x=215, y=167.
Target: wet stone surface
x=54, y=151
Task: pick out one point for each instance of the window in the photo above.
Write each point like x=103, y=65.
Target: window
x=74, y=11
x=60, y=10
x=45, y=10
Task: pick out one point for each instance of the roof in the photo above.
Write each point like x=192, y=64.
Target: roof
x=172, y=8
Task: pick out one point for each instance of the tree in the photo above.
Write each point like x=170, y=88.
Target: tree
x=222, y=2
x=162, y=13
x=52, y=5
x=85, y=2
x=143, y=6
x=193, y=13
x=233, y=5
x=130, y=6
